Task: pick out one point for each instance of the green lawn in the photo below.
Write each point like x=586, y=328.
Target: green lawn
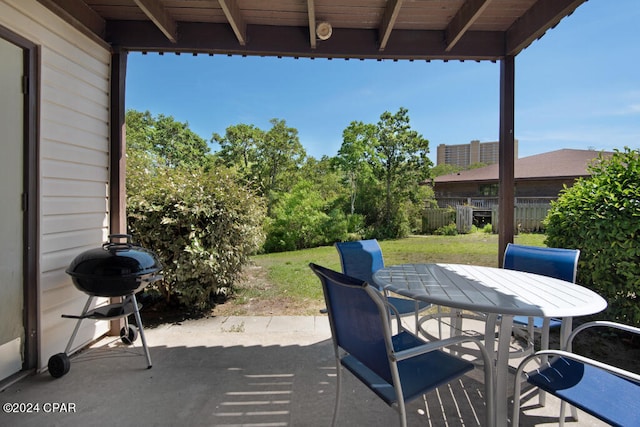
x=287, y=274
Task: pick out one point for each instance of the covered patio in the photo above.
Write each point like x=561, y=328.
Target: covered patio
x=218, y=371
x=465, y=30
x=239, y=371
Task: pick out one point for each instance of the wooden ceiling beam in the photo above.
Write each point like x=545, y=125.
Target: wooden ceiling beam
x=236, y=20
x=388, y=21
x=157, y=13
x=460, y=24
x=311, y=11
x=269, y=40
x=542, y=16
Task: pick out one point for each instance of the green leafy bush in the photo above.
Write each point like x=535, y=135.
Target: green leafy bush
x=298, y=221
x=601, y=217
x=447, y=230
x=202, y=225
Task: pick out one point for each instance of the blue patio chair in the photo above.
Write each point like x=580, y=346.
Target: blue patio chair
x=606, y=392
x=397, y=368
x=361, y=259
x=553, y=262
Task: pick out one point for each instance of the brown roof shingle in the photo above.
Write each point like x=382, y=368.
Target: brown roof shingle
x=554, y=164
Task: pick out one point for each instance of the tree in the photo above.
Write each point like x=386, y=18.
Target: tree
x=166, y=140
x=278, y=158
x=445, y=169
x=401, y=164
x=238, y=147
x=325, y=179
x=356, y=151
x=600, y=216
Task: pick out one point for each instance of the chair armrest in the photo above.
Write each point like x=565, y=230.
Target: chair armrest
x=396, y=313
x=599, y=323
x=604, y=367
x=587, y=361
x=437, y=345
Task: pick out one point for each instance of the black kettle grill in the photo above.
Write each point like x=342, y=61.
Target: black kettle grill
x=114, y=270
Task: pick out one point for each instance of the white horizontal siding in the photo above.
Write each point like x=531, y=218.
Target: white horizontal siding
x=70, y=170
x=69, y=205
x=53, y=112
x=59, y=260
x=78, y=240
x=65, y=70
x=61, y=187
x=85, y=138
x=74, y=162
x=55, y=335
x=75, y=221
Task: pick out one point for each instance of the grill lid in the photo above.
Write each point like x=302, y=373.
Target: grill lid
x=115, y=260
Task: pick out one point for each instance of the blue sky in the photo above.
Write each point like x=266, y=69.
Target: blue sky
x=577, y=87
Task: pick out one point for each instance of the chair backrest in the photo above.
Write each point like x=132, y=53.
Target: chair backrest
x=361, y=259
x=553, y=262
x=358, y=319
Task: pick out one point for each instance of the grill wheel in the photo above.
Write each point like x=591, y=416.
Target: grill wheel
x=59, y=364
x=129, y=334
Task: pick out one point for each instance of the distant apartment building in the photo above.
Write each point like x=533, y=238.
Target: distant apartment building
x=464, y=155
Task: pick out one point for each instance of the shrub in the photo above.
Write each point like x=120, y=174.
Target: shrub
x=447, y=230
x=600, y=216
x=298, y=221
x=202, y=225
x=355, y=224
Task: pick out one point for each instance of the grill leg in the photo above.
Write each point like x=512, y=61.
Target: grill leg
x=77, y=328
x=136, y=313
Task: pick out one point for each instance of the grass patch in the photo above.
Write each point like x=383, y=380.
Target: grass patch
x=284, y=279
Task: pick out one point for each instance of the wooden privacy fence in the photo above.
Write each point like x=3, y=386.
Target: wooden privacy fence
x=527, y=218
x=464, y=219
x=432, y=219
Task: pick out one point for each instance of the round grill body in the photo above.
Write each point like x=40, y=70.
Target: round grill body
x=115, y=269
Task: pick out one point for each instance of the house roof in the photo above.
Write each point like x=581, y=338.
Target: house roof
x=565, y=163
x=381, y=29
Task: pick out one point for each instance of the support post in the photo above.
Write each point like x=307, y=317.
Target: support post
x=506, y=152
x=117, y=157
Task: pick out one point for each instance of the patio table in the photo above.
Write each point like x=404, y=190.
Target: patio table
x=494, y=292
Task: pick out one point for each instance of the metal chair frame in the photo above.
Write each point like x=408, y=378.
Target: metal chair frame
x=567, y=375
x=553, y=262
x=360, y=322
x=360, y=259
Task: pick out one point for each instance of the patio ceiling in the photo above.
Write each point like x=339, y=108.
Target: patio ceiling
x=380, y=29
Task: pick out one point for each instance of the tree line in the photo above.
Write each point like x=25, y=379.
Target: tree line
x=372, y=188
x=205, y=213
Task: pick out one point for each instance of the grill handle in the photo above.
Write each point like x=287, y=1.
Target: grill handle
x=111, y=242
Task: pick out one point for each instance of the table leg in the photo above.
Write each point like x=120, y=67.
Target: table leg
x=565, y=330
x=455, y=327
x=490, y=334
x=502, y=370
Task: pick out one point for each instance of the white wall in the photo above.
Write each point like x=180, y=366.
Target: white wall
x=73, y=158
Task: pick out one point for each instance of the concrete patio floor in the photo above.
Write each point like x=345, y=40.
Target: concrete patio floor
x=237, y=371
